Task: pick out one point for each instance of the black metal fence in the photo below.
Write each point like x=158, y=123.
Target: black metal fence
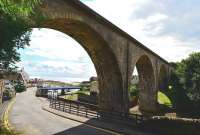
x=74, y=107
x=92, y=111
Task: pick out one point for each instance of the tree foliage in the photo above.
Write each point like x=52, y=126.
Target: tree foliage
x=134, y=90
x=186, y=81
x=20, y=87
x=15, y=22
x=189, y=71
x=177, y=93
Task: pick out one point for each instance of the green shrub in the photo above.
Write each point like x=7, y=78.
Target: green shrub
x=134, y=90
x=85, y=88
x=20, y=87
x=177, y=93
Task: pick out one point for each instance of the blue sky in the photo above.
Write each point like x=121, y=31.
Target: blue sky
x=168, y=27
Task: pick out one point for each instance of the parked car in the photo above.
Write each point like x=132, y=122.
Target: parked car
x=9, y=91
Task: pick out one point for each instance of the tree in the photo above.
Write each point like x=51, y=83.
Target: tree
x=15, y=35
x=20, y=87
x=15, y=22
x=185, y=82
x=177, y=93
x=190, y=71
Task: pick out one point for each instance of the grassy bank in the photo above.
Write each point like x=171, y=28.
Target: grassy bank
x=164, y=99
x=74, y=95
x=5, y=131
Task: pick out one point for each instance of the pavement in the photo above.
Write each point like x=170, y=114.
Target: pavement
x=113, y=127
x=28, y=118
x=30, y=115
x=3, y=107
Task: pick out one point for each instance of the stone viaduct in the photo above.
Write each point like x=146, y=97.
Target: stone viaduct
x=113, y=52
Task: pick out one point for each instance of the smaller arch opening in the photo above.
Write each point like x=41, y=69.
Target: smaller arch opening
x=134, y=90
x=163, y=81
x=142, y=86
x=163, y=93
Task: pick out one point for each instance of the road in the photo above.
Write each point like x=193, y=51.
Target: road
x=27, y=117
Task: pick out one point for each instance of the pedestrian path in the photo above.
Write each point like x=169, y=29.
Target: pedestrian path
x=27, y=117
x=106, y=126
x=3, y=109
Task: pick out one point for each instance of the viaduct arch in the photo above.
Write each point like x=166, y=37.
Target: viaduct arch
x=113, y=52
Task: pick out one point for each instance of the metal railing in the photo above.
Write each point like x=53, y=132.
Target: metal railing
x=92, y=111
x=73, y=107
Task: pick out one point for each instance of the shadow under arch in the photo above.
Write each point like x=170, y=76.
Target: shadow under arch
x=103, y=58
x=147, y=97
x=162, y=78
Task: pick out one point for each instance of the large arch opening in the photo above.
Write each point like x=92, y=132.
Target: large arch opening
x=57, y=56
x=54, y=59
x=109, y=76
x=144, y=85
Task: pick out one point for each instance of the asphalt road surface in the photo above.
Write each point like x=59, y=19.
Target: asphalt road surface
x=27, y=117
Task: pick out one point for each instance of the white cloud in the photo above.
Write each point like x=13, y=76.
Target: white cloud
x=58, y=55
x=148, y=29
x=59, y=69
x=55, y=45
x=156, y=18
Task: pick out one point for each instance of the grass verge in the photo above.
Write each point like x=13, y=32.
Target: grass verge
x=164, y=99
x=5, y=128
